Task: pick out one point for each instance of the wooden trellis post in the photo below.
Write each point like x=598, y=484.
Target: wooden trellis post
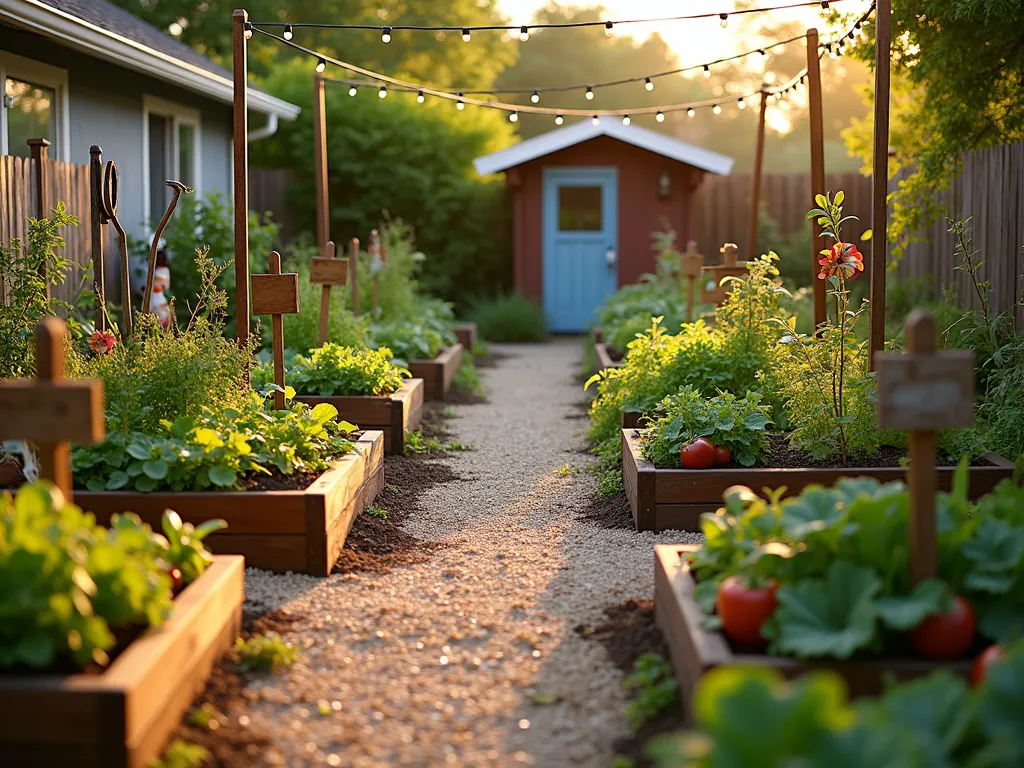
x=879, y=178
x=353, y=260
x=276, y=294
x=755, y=192
x=39, y=149
x=326, y=271
x=97, y=222
x=51, y=411
x=922, y=392
x=690, y=266
x=815, y=113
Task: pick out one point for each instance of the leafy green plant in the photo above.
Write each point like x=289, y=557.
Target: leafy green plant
x=182, y=754
x=185, y=550
x=265, y=653
x=334, y=370
x=69, y=582
x=736, y=422
x=509, y=317
x=377, y=511
x=467, y=377
x=29, y=269
x=654, y=688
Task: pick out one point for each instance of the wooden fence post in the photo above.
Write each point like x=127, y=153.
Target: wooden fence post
x=240, y=106
x=353, y=260
x=880, y=178
x=97, y=220
x=39, y=149
x=755, y=192
x=817, y=166
x=276, y=294
x=323, y=219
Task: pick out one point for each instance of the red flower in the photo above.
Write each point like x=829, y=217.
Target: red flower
x=102, y=342
x=841, y=259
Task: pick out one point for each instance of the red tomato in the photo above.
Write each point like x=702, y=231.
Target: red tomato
x=987, y=658
x=175, y=575
x=722, y=455
x=744, y=610
x=700, y=454
x=946, y=635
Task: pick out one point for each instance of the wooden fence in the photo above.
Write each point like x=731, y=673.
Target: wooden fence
x=267, y=194
x=65, y=182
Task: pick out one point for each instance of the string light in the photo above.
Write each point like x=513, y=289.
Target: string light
x=716, y=109
x=608, y=27
x=385, y=35
x=383, y=92
x=723, y=20
x=590, y=93
x=321, y=64
x=741, y=104
x=513, y=117
x=559, y=120
x=461, y=105
x=648, y=84
x=288, y=32
x=420, y=98
x=824, y=5
x=660, y=117
x=524, y=34
x=625, y=120
x=691, y=112
x=707, y=72
x=595, y=120
x=248, y=30
x=465, y=34
x=535, y=98
x=352, y=90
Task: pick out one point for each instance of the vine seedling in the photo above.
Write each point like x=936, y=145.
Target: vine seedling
x=51, y=411
x=276, y=294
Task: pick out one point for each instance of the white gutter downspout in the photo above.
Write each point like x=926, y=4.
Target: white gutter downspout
x=266, y=131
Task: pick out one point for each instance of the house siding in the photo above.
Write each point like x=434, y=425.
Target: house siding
x=106, y=109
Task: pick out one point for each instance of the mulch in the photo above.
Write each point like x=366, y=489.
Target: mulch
x=782, y=455
x=628, y=633
x=463, y=396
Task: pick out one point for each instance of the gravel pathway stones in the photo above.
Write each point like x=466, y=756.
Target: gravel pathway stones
x=470, y=658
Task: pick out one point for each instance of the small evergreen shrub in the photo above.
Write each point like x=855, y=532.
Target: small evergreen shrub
x=509, y=317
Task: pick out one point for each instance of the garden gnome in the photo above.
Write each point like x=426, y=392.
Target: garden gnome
x=161, y=282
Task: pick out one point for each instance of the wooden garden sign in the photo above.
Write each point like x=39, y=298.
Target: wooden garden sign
x=327, y=271
x=922, y=392
x=276, y=295
x=51, y=411
x=714, y=292
x=691, y=264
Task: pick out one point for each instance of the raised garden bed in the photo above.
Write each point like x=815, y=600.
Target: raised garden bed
x=437, y=374
x=394, y=414
x=674, y=499
x=605, y=359
x=292, y=530
x=695, y=650
x=466, y=335
x=122, y=717
x=633, y=420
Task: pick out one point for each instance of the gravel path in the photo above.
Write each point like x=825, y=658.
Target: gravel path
x=471, y=658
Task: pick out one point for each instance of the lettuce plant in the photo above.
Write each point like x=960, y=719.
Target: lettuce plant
x=334, y=370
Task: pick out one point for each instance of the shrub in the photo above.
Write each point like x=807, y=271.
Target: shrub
x=334, y=370
x=509, y=317
x=421, y=336
x=735, y=422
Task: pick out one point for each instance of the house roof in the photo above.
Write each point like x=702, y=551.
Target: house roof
x=107, y=31
x=585, y=130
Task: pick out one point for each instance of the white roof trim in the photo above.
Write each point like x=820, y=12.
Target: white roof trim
x=584, y=130
x=77, y=33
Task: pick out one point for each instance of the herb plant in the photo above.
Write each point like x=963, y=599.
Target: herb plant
x=654, y=689
x=334, y=370
x=736, y=422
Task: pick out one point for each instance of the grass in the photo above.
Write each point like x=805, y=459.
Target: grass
x=264, y=653
x=510, y=318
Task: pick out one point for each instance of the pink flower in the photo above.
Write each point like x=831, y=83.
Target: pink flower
x=102, y=342
x=841, y=259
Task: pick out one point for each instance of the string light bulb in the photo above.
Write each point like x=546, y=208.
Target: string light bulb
x=741, y=104
x=420, y=98
x=648, y=84
x=385, y=35
x=536, y=97
x=691, y=112
x=460, y=105
x=288, y=32
x=465, y=34
x=524, y=34
x=595, y=120
x=716, y=109
x=248, y=30
x=559, y=120
x=723, y=20
x=707, y=72
x=352, y=90
x=608, y=27
x=321, y=64
x=383, y=92
x=625, y=120
x=824, y=5
x=660, y=117
x=513, y=117
x=590, y=93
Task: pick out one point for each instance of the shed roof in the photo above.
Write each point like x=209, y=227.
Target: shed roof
x=107, y=31
x=585, y=130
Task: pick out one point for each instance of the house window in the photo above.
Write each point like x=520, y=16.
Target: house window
x=171, y=141
x=34, y=106
x=579, y=209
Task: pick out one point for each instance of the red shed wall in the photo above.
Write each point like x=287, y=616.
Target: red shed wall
x=641, y=209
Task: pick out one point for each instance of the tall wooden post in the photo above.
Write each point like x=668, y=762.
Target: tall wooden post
x=817, y=165
x=353, y=260
x=97, y=220
x=276, y=294
x=755, y=192
x=374, y=251
x=879, y=177
x=323, y=219
x=241, y=174
x=39, y=150
x=326, y=271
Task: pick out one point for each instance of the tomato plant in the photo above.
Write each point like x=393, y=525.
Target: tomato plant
x=743, y=610
x=699, y=454
x=946, y=635
x=985, y=660
x=722, y=455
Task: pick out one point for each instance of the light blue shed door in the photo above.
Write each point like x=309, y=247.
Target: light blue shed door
x=580, y=244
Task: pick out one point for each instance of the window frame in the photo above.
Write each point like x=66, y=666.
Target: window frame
x=176, y=115
x=48, y=76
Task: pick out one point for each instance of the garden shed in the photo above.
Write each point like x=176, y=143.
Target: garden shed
x=586, y=199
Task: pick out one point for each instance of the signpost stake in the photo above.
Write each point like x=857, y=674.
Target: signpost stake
x=353, y=259
x=276, y=294
x=692, y=264
x=327, y=271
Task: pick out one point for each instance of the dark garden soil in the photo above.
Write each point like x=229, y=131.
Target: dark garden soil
x=230, y=741
x=628, y=634
x=782, y=455
x=278, y=481
x=463, y=396
x=490, y=360
x=610, y=512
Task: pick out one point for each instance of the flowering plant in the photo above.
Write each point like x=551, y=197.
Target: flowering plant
x=101, y=342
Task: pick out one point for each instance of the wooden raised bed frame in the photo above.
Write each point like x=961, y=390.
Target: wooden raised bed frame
x=393, y=414
x=122, y=717
x=695, y=650
x=300, y=531
x=604, y=359
x=674, y=499
x=437, y=374
x=466, y=334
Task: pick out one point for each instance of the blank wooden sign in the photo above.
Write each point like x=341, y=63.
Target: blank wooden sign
x=42, y=411
x=929, y=391
x=691, y=262
x=328, y=271
x=275, y=294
